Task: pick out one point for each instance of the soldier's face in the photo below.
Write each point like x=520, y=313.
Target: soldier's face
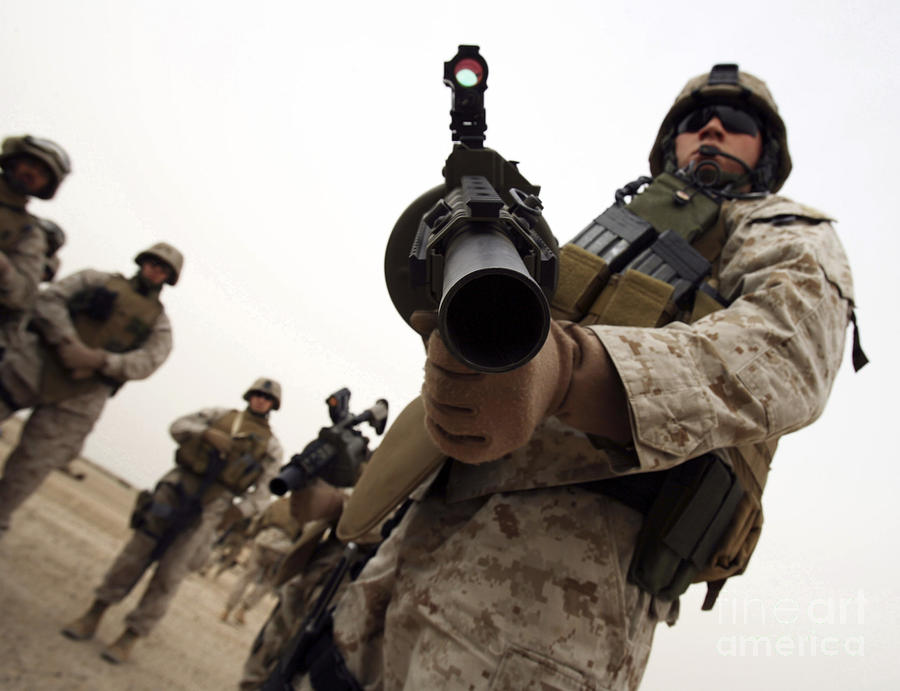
x=260, y=404
x=746, y=147
x=154, y=271
x=30, y=175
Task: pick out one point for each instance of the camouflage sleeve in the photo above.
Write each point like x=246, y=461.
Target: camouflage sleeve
x=19, y=287
x=756, y=370
x=191, y=425
x=144, y=361
x=259, y=496
x=51, y=310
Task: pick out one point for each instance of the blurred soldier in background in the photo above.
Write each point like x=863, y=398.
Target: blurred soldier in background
x=32, y=167
x=56, y=238
x=97, y=330
x=225, y=552
x=300, y=578
x=271, y=533
x=222, y=455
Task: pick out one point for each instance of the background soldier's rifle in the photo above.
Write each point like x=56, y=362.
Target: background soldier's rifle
x=337, y=453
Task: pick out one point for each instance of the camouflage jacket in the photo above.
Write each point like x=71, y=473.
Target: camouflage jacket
x=51, y=317
x=25, y=246
x=741, y=376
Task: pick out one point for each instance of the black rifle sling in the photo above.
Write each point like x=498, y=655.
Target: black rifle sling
x=190, y=509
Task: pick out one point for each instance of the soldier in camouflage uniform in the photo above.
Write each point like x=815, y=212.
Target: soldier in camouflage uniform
x=511, y=568
x=32, y=167
x=300, y=578
x=273, y=532
x=222, y=455
x=97, y=331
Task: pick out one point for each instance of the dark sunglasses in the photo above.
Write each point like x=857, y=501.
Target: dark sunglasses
x=734, y=120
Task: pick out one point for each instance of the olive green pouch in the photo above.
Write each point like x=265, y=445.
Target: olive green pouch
x=685, y=525
x=670, y=203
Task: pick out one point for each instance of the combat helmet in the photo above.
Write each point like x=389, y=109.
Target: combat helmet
x=726, y=84
x=46, y=151
x=170, y=255
x=266, y=386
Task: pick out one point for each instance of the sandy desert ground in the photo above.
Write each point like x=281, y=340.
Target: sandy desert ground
x=60, y=545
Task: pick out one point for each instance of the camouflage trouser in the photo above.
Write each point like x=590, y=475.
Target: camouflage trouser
x=171, y=569
x=257, y=577
x=514, y=591
x=53, y=435
x=295, y=598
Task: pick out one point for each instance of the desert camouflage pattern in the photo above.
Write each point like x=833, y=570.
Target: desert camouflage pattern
x=744, y=375
x=256, y=579
x=181, y=556
x=515, y=591
x=485, y=585
x=52, y=436
x=760, y=369
x=295, y=598
x=277, y=531
x=25, y=246
x=173, y=566
x=52, y=318
x=55, y=433
x=21, y=368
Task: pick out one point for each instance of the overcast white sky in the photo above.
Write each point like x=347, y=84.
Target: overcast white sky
x=276, y=146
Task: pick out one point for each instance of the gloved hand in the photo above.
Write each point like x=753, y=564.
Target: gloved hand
x=220, y=440
x=477, y=417
x=77, y=356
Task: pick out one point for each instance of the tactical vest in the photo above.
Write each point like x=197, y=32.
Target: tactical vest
x=250, y=436
x=619, y=271
x=114, y=317
x=15, y=223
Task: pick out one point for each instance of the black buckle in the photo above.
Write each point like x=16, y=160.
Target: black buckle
x=726, y=73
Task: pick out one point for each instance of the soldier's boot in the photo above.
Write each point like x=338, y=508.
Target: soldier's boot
x=86, y=625
x=120, y=650
x=239, y=614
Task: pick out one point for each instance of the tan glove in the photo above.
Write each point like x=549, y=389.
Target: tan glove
x=77, y=356
x=318, y=500
x=477, y=417
x=220, y=440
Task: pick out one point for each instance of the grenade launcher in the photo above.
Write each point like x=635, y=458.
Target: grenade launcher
x=476, y=248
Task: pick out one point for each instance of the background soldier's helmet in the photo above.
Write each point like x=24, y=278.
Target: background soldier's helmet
x=56, y=238
x=47, y=152
x=171, y=256
x=726, y=84
x=269, y=387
